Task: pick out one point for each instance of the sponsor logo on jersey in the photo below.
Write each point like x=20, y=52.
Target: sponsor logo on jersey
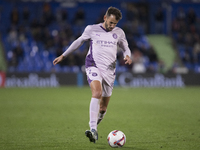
x=106, y=42
x=98, y=35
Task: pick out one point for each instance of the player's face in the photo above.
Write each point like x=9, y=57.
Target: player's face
x=110, y=22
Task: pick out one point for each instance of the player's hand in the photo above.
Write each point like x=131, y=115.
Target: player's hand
x=128, y=60
x=58, y=59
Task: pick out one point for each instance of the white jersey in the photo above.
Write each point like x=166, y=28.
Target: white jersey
x=103, y=48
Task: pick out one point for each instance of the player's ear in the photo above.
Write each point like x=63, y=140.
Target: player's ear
x=104, y=18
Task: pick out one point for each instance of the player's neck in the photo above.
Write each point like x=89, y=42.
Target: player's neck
x=103, y=25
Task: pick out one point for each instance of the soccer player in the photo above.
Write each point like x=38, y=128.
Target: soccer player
x=100, y=63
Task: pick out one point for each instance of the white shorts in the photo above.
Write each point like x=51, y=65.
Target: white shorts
x=94, y=73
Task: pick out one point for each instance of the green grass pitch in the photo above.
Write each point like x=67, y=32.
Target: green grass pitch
x=56, y=118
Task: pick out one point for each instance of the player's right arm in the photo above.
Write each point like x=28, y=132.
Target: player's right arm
x=74, y=46
x=58, y=59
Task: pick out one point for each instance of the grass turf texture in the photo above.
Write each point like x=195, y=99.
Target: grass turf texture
x=56, y=118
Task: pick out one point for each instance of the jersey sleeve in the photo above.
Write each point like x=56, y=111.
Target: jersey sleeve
x=78, y=42
x=123, y=44
x=87, y=32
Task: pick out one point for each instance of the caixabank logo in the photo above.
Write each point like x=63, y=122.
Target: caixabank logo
x=2, y=79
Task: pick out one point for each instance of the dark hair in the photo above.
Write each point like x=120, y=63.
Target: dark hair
x=114, y=11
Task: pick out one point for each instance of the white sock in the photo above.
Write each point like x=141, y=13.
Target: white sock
x=94, y=110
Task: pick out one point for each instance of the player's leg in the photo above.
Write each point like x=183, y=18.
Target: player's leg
x=94, y=110
x=106, y=94
x=103, y=108
x=94, y=79
x=95, y=103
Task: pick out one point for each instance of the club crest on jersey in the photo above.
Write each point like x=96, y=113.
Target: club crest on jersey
x=114, y=35
x=94, y=74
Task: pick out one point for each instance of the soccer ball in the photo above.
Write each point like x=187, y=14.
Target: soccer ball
x=116, y=138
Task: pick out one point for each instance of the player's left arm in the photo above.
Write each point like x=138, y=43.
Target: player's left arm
x=123, y=44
